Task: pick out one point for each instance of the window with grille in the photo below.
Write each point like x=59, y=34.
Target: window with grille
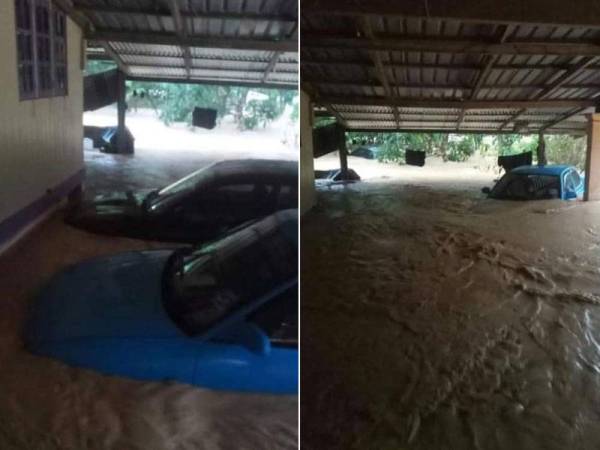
x=41, y=49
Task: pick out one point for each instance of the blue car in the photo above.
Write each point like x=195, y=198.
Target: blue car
x=221, y=316
x=538, y=183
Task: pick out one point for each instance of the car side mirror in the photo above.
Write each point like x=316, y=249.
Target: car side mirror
x=249, y=335
x=486, y=190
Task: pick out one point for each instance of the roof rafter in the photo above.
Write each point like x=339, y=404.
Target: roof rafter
x=457, y=104
x=166, y=13
x=489, y=61
x=553, y=12
x=367, y=30
x=282, y=45
x=568, y=75
x=461, y=46
x=182, y=32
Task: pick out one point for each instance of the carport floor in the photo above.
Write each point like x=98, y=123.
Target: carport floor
x=47, y=405
x=433, y=318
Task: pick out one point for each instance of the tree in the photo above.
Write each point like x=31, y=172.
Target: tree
x=175, y=102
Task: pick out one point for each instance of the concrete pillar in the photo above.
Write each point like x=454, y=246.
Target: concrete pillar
x=121, y=108
x=592, y=159
x=541, y=150
x=343, y=153
x=307, y=168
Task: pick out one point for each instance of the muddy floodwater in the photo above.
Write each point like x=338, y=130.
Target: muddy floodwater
x=433, y=318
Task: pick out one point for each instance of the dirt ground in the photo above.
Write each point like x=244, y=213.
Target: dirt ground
x=434, y=318
x=45, y=405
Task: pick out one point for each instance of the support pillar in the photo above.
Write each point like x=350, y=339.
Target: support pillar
x=343, y=153
x=121, y=108
x=541, y=151
x=592, y=159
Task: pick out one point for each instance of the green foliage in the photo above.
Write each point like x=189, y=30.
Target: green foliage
x=324, y=121
x=564, y=149
x=96, y=66
x=560, y=149
x=259, y=112
x=174, y=102
x=393, y=145
x=512, y=144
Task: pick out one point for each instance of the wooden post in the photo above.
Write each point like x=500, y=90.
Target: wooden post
x=592, y=159
x=121, y=108
x=343, y=153
x=541, y=151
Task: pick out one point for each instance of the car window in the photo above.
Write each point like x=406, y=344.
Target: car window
x=170, y=195
x=279, y=319
x=572, y=180
x=518, y=186
x=288, y=196
x=223, y=276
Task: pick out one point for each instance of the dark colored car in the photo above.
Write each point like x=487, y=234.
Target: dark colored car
x=223, y=315
x=199, y=207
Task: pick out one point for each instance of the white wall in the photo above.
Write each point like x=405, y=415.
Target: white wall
x=307, y=168
x=40, y=140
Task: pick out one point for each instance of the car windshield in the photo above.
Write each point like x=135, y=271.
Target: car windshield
x=523, y=186
x=205, y=286
x=157, y=199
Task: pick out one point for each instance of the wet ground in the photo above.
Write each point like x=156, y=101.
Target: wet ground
x=433, y=318
x=45, y=405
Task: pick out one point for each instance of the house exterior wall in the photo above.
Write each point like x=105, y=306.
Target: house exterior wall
x=307, y=169
x=41, y=152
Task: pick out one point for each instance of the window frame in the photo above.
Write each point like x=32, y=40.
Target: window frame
x=55, y=62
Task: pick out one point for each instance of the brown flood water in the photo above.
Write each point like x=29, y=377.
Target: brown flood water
x=435, y=319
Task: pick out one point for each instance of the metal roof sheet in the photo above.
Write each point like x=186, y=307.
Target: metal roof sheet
x=245, y=41
x=401, y=60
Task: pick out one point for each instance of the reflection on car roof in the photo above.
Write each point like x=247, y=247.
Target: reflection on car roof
x=552, y=169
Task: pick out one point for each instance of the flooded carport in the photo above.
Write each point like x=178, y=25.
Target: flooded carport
x=49, y=405
x=433, y=317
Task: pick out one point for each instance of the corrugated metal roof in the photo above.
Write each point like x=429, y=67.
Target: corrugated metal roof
x=424, y=60
x=245, y=41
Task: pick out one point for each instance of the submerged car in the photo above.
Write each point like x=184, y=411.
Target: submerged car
x=221, y=316
x=539, y=183
x=370, y=152
x=199, y=207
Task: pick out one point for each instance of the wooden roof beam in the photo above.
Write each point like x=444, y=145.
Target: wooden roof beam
x=568, y=75
x=489, y=61
x=315, y=97
x=461, y=67
x=551, y=12
x=462, y=46
x=367, y=30
x=212, y=82
x=562, y=118
x=283, y=45
x=488, y=131
x=442, y=87
x=163, y=13
x=271, y=66
x=182, y=32
x=87, y=26
x=456, y=104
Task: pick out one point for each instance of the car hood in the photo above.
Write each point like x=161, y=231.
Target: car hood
x=110, y=205
x=116, y=296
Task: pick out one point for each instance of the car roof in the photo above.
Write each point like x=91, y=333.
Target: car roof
x=551, y=169
x=235, y=167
